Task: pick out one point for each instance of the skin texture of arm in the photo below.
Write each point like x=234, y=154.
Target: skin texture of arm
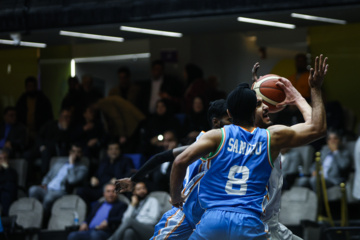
x=300, y=134
x=206, y=144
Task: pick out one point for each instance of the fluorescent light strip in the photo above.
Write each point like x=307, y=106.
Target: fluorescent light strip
x=91, y=36
x=112, y=58
x=320, y=19
x=267, y=23
x=150, y=31
x=72, y=68
x=25, y=44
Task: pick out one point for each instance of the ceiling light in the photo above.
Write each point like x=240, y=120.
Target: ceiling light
x=320, y=19
x=25, y=44
x=72, y=68
x=91, y=36
x=151, y=31
x=267, y=23
x=112, y=58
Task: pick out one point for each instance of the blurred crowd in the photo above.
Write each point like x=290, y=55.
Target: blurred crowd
x=95, y=139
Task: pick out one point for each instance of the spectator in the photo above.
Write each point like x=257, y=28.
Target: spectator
x=66, y=173
x=33, y=107
x=196, y=121
x=213, y=92
x=335, y=160
x=161, y=175
x=13, y=135
x=73, y=99
x=290, y=162
x=300, y=78
x=113, y=167
x=159, y=87
x=140, y=217
x=90, y=95
x=90, y=133
x=196, y=85
x=157, y=124
x=104, y=218
x=356, y=190
x=53, y=140
x=126, y=89
x=8, y=184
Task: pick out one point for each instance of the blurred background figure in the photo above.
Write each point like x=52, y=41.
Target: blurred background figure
x=33, y=107
x=213, y=92
x=104, y=218
x=13, y=134
x=8, y=183
x=300, y=78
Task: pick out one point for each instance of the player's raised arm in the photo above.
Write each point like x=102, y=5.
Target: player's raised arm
x=301, y=134
x=206, y=144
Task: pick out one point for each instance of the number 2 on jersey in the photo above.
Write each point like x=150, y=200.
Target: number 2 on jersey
x=229, y=188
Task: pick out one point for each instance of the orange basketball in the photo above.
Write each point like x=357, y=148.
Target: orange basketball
x=265, y=87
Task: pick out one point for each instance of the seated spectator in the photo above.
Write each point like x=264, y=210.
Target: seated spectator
x=104, y=218
x=163, y=120
x=140, y=217
x=114, y=166
x=161, y=175
x=8, y=184
x=53, y=140
x=335, y=161
x=196, y=121
x=33, y=107
x=90, y=133
x=13, y=134
x=196, y=85
x=66, y=173
x=290, y=162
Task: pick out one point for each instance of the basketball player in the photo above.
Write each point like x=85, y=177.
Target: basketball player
x=240, y=156
x=218, y=111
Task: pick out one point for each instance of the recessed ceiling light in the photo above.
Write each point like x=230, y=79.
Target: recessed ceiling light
x=91, y=36
x=267, y=23
x=320, y=19
x=21, y=43
x=150, y=31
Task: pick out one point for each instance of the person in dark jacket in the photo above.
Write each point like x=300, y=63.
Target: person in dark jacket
x=13, y=135
x=8, y=183
x=104, y=218
x=33, y=107
x=110, y=168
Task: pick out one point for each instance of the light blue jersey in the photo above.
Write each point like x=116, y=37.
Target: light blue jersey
x=239, y=172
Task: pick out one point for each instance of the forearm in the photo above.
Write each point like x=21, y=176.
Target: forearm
x=304, y=108
x=178, y=172
x=318, y=115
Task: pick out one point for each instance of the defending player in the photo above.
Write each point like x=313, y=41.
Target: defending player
x=241, y=156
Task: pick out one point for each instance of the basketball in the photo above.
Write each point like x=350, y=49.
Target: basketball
x=266, y=88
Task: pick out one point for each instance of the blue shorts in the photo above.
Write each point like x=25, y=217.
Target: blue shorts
x=227, y=225
x=173, y=225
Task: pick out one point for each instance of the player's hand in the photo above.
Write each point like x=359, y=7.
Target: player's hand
x=124, y=185
x=292, y=95
x=177, y=201
x=316, y=77
x=254, y=72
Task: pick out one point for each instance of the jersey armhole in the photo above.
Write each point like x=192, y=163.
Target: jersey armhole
x=214, y=154
x=268, y=149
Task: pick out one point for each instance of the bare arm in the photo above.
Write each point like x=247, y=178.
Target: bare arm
x=300, y=134
x=206, y=144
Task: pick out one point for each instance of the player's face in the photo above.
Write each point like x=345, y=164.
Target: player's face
x=219, y=123
x=262, y=118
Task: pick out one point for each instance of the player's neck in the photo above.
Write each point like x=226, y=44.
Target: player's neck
x=246, y=125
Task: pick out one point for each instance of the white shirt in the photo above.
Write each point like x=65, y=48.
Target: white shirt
x=155, y=90
x=327, y=164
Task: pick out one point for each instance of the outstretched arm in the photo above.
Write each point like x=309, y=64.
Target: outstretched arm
x=300, y=134
x=127, y=184
x=206, y=144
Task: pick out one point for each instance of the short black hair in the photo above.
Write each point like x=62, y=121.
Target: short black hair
x=241, y=104
x=30, y=79
x=8, y=109
x=125, y=70
x=157, y=62
x=217, y=109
